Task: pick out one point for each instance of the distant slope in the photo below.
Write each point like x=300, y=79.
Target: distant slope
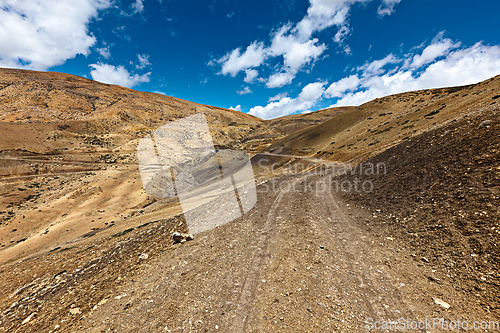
x=60, y=105
x=274, y=129
x=374, y=126
x=76, y=104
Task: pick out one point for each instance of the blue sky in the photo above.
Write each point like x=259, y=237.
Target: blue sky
x=270, y=58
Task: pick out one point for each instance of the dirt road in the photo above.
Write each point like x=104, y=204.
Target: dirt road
x=296, y=263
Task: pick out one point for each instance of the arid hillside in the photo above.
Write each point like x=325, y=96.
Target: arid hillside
x=365, y=131
x=68, y=155
x=78, y=106
x=440, y=199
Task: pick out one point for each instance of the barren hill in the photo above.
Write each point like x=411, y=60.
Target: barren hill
x=358, y=133
x=57, y=125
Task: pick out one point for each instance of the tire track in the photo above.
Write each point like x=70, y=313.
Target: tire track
x=246, y=302
x=382, y=298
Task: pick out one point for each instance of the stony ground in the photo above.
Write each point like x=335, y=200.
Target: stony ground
x=298, y=262
x=440, y=198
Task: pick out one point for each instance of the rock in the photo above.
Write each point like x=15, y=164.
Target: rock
x=144, y=256
x=484, y=124
x=75, y=311
x=120, y=296
x=180, y=238
x=104, y=301
x=25, y=321
x=442, y=303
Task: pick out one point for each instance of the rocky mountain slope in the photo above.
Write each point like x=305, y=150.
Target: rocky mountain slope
x=361, y=132
x=440, y=197
x=68, y=151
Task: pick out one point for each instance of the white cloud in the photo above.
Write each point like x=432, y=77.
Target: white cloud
x=41, y=34
x=137, y=6
x=439, y=47
x=337, y=89
x=236, y=108
x=143, y=61
x=341, y=34
x=104, y=52
x=323, y=14
x=312, y=92
x=387, y=7
x=296, y=54
x=244, y=91
x=110, y=74
x=443, y=66
x=308, y=97
x=347, y=50
x=279, y=80
x=120, y=33
x=277, y=97
x=251, y=74
x=235, y=61
x=376, y=67
x=293, y=43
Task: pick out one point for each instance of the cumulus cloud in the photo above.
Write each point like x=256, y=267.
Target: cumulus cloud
x=337, y=89
x=377, y=66
x=284, y=105
x=41, y=34
x=120, y=32
x=236, y=108
x=137, y=7
x=235, y=61
x=341, y=34
x=323, y=14
x=244, y=91
x=387, y=7
x=251, y=75
x=279, y=79
x=294, y=44
x=277, y=97
x=110, y=74
x=441, y=64
x=438, y=48
x=296, y=54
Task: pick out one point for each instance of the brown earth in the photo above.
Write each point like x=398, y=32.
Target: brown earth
x=68, y=152
x=296, y=263
x=359, y=133
x=441, y=198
